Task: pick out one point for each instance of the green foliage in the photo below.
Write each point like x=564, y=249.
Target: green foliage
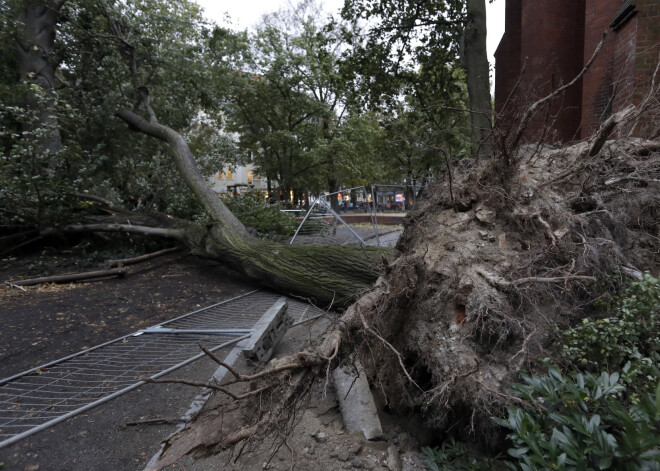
x=96, y=76
x=408, y=44
x=253, y=210
x=290, y=104
x=628, y=340
x=406, y=66
x=35, y=186
x=454, y=456
x=577, y=422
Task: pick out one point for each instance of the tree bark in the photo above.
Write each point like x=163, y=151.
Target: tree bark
x=187, y=167
x=333, y=186
x=475, y=61
x=34, y=52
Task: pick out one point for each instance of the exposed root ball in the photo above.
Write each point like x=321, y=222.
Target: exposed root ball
x=485, y=276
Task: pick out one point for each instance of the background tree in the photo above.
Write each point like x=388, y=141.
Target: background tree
x=290, y=105
x=90, y=81
x=412, y=43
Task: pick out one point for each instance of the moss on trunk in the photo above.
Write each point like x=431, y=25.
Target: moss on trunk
x=325, y=274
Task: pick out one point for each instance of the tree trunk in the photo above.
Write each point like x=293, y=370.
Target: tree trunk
x=34, y=53
x=475, y=61
x=333, y=186
x=328, y=275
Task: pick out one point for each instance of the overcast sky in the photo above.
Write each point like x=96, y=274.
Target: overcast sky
x=247, y=13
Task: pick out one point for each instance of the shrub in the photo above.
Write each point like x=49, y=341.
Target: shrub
x=628, y=341
x=454, y=456
x=253, y=210
x=579, y=423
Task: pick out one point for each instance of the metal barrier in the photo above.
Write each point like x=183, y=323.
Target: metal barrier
x=322, y=225
x=39, y=398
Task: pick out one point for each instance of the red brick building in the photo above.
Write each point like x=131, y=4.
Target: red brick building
x=547, y=43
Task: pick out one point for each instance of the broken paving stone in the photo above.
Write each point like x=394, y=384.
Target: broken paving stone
x=356, y=402
x=394, y=462
x=485, y=235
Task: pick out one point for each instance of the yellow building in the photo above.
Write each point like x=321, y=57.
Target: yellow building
x=236, y=180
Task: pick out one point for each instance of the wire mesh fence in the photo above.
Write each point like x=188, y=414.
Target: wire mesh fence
x=37, y=399
x=351, y=222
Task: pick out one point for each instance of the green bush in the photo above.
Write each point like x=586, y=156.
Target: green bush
x=253, y=210
x=454, y=456
x=579, y=423
x=629, y=340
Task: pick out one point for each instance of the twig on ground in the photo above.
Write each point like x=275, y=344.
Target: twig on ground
x=202, y=384
x=71, y=277
x=141, y=258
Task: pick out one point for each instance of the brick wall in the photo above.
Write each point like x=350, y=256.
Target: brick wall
x=549, y=43
x=646, y=59
x=622, y=74
x=600, y=82
x=558, y=37
x=507, y=59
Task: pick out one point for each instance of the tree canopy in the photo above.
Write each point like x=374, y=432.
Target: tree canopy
x=293, y=98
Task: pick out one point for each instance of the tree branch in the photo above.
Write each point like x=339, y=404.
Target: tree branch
x=172, y=233
x=200, y=384
x=529, y=114
x=187, y=166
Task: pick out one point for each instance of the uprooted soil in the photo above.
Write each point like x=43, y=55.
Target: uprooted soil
x=493, y=260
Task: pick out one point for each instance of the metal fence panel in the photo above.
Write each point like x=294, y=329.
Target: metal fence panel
x=39, y=398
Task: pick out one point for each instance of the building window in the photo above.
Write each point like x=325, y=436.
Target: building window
x=221, y=175
x=623, y=14
x=249, y=177
x=228, y=173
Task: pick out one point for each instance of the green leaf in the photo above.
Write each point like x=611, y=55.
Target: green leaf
x=517, y=452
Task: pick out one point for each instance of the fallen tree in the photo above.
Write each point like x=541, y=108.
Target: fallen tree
x=497, y=255
x=488, y=268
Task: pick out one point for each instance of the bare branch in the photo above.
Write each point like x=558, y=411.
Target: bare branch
x=171, y=233
x=531, y=111
x=607, y=128
x=141, y=258
x=202, y=384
